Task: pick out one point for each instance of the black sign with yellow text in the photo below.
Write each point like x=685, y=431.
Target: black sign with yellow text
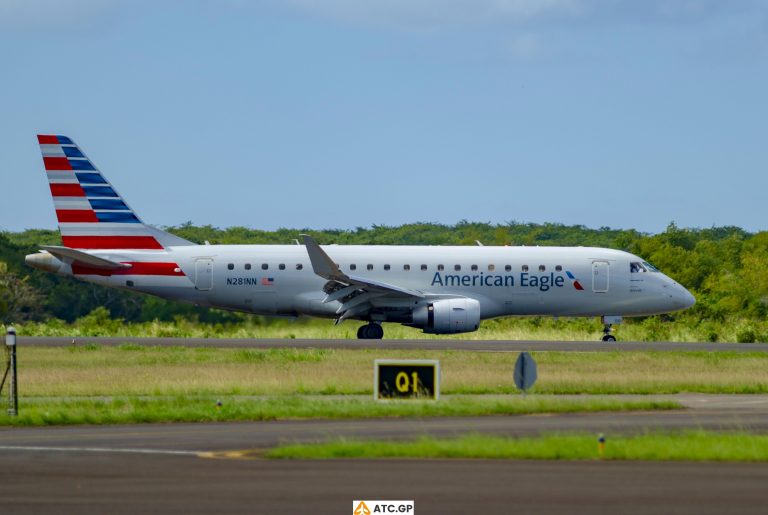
x=407, y=379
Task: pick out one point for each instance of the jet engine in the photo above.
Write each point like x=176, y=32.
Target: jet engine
x=448, y=316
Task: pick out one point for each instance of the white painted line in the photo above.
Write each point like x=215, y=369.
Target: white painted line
x=97, y=449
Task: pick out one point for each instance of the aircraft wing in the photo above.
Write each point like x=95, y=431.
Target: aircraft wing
x=354, y=293
x=69, y=255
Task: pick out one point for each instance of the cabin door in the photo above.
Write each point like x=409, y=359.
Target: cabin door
x=204, y=274
x=600, y=276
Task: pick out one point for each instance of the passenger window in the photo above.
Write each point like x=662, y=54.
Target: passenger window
x=525, y=268
x=474, y=267
x=440, y=267
x=299, y=266
x=542, y=268
x=281, y=266
x=457, y=267
x=558, y=268
x=406, y=267
x=386, y=267
x=247, y=266
x=423, y=267
x=508, y=268
x=264, y=266
x=231, y=266
x=491, y=268
x=353, y=267
x=369, y=267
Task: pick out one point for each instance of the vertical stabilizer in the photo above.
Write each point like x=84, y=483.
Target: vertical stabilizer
x=91, y=214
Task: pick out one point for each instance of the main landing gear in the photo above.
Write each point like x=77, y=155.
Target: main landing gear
x=608, y=322
x=371, y=331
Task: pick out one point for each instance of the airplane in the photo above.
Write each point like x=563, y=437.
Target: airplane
x=438, y=289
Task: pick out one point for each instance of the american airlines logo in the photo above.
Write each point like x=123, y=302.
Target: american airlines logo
x=542, y=282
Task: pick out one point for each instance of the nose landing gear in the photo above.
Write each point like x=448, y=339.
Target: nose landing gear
x=371, y=331
x=607, y=336
x=608, y=322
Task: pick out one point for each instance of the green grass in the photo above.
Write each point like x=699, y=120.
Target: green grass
x=685, y=446
x=40, y=412
x=681, y=329
x=132, y=370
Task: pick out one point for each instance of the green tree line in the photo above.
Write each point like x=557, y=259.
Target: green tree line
x=725, y=267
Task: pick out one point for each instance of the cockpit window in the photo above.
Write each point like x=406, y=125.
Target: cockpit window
x=637, y=267
x=650, y=267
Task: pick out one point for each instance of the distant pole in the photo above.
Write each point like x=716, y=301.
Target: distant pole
x=10, y=342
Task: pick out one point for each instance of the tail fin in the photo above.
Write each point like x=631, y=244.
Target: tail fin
x=91, y=214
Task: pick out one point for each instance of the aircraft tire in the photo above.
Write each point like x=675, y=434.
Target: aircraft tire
x=375, y=331
x=370, y=332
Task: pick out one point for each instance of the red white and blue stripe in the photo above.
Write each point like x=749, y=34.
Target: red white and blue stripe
x=91, y=214
x=574, y=281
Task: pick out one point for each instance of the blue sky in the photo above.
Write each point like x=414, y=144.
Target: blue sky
x=348, y=113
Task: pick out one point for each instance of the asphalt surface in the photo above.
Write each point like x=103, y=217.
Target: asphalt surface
x=98, y=484
x=204, y=468
x=472, y=345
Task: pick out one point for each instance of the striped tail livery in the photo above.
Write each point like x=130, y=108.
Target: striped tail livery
x=91, y=214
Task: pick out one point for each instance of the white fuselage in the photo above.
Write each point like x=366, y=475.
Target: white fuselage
x=279, y=279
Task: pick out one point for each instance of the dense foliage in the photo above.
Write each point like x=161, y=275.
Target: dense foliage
x=723, y=266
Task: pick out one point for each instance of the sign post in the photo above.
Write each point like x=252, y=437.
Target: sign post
x=13, y=397
x=525, y=372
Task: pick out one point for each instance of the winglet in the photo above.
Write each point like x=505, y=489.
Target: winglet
x=322, y=264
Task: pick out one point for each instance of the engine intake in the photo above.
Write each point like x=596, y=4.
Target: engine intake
x=448, y=316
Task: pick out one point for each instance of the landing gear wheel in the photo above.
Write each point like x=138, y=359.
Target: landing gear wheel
x=608, y=322
x=370, y=332
x=607, y=336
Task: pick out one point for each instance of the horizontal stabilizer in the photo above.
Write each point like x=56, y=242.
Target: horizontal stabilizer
x=71, y=256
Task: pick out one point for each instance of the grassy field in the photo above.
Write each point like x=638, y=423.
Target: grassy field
x=131, y=370
x=685, y=446
x=131, y=383
x=52, y=411
x=683, y=329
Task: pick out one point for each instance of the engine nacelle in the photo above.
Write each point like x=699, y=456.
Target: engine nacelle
x=448, y=316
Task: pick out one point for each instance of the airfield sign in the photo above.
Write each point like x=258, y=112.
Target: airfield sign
x=525, y=371
x=406, y=379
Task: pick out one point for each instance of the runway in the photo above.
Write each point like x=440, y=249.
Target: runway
x=196, y=468
x=444, y=344
x=86, y=484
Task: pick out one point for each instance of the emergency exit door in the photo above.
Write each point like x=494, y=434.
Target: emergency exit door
x=600, y=276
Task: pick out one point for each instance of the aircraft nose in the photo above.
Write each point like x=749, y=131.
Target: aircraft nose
x=681, y=298
x=685, y=298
